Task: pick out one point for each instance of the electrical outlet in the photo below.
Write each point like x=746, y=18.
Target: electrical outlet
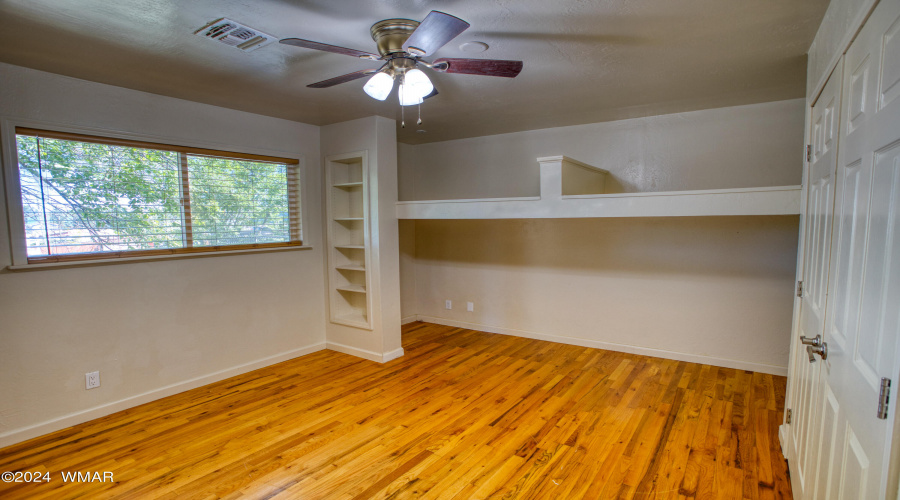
x=448, y=304
x=470, y=306
x=91, y=380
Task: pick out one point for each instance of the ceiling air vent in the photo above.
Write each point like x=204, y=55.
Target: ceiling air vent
x=235, y=34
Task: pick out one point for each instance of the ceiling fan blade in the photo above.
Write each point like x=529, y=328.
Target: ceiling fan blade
x=309, y=44
x=433, y=33
x=349, y=77
x=432, y=94
x=486, y=67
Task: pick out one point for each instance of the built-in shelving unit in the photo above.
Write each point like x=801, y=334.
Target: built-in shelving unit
x=564, y=196
x=348, y=233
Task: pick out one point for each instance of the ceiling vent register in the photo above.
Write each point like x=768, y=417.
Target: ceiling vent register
x=235, y=34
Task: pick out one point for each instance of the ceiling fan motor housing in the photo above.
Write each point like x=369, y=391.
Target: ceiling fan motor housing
x=390, y=34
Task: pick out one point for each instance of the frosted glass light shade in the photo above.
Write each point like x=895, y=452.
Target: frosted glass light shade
x=419, y=82
x=409, y=95
x=379, y=86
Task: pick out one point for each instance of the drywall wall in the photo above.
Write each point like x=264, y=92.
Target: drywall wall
x=742, y=146
x=150, y=328
x=407, y=229
x=378, y=136
x=709, y=289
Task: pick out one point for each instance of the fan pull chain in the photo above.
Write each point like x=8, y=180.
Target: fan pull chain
x=400, y=99
x=420, y=115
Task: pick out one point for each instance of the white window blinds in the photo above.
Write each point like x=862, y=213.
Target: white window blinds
x=89, y=197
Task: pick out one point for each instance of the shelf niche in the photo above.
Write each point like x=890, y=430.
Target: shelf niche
x=348, y=233
x=573, y=189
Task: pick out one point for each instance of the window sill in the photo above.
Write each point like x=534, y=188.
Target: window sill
x=149, y=258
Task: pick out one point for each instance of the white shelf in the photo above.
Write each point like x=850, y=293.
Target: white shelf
x=348, y=185
x=351, y=268
x=345, y=219
x=779, y=200
x=572, y=189
x=357, y=320
x=351, y=247
x=352, y=288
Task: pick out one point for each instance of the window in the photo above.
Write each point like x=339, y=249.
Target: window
x=86, y=197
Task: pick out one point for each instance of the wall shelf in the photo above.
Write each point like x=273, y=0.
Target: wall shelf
x=347, y=207
x=555, y=203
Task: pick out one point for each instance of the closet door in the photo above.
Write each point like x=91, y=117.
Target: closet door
x=862, y=322
x=820, y=204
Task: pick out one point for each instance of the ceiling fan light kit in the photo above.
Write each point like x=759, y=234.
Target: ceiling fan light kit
x=407, y=96
x=379, y=86
x=417, y=84
x=402, y=43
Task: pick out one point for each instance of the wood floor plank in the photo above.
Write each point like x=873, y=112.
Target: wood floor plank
x=462, y=415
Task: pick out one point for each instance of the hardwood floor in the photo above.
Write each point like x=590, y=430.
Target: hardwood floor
x=464, y=414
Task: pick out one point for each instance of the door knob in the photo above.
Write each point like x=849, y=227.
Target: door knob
x=813, y=342
x=821, y=350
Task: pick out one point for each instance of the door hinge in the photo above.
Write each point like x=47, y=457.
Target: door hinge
x=789, y=414
x=808, y=153
x=799, y=289
x=884, y=398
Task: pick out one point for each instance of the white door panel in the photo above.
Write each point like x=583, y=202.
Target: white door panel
x=862, y=313
x=889, y=88
x=829, y=411
x=806, y=430
x=854, y=470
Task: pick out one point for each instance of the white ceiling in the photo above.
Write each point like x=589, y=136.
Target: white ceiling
x=584, y=61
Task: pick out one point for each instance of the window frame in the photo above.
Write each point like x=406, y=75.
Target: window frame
x=13, y=193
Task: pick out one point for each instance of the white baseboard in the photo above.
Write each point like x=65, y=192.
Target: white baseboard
x=408, y=319
x=645, y=351
x=362, y=353
x=396, y=353
x=46, y=427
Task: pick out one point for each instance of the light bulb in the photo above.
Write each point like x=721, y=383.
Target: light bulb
x=420, y=84
x=408, y=95
x=379, y=86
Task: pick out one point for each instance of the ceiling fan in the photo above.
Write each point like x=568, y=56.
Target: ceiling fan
x=402, y=43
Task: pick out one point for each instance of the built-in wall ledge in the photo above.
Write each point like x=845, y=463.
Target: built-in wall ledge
x=569, y=190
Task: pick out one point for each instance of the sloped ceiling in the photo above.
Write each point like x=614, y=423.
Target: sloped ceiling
x=584, y=61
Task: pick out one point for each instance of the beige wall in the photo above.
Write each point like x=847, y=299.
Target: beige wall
x=408, y=307
x=709, y=289
x=716, y=287
x=743, y=146
x=152, y=328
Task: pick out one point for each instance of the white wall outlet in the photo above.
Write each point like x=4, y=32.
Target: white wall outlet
x=91, y=380
x=470, y=306
x=448, y=304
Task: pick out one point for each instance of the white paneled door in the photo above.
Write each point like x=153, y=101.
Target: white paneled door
x=862, y=321
x=842, y=449
x=805, y=390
